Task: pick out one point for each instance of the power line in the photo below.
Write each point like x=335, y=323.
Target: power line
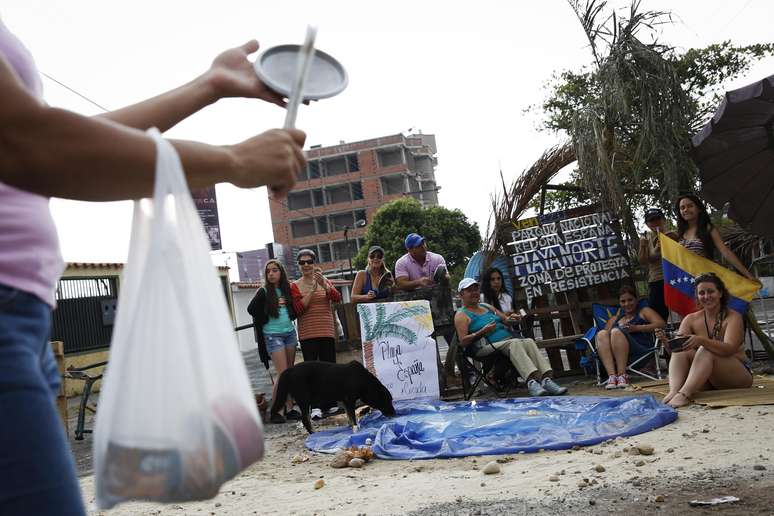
x=84, y=97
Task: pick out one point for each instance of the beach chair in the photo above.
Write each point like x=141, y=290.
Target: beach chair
x=638, y=363
x=495, y=370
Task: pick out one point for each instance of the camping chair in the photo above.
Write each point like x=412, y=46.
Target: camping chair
x=637, y=363
x=475, y=370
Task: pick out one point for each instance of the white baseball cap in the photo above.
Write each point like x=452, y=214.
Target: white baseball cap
x=465, y=283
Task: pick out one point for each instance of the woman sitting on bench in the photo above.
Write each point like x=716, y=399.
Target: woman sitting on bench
x=482, y=326
x=631, y=333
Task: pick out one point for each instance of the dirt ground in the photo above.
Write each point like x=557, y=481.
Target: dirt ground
x=706, y=453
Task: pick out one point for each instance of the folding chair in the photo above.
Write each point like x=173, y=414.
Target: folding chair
x=636, y=363
x=475, y=370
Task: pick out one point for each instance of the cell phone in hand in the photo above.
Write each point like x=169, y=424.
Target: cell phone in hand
x=522, y=312
x=677, y=344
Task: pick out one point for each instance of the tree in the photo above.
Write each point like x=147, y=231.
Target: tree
x=448, y=233
x=631, y=113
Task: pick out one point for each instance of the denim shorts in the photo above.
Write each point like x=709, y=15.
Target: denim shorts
x=37, y=471
x=280, y=341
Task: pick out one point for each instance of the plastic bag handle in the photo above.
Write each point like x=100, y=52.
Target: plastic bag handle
x=169, y=170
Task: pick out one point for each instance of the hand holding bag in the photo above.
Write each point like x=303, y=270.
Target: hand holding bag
x=176, y=417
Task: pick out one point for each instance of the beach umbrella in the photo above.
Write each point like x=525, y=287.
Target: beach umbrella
x=735, y=156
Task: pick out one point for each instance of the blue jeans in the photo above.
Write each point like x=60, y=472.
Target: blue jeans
x=280, y=341
x=37, y=471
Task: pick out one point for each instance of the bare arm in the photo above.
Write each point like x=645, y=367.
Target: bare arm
x=57, y=153
x=655, y=321
x=406, y=284
x=730, y=256
x=643, y=252
x=357, y=286
x=231, y=75
x=733, y=338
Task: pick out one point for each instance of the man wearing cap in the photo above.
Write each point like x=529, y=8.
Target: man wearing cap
x=650, y=255
x=419, y=267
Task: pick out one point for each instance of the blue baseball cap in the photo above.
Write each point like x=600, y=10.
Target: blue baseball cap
x=413, y=240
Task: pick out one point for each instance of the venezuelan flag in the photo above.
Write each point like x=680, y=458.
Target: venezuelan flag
x=681, y=266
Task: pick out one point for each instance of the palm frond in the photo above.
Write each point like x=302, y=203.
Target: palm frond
x=405, y=313
x=396, y=331
x=365, y=318
x=514, y=201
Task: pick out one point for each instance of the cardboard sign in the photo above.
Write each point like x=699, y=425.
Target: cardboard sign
x=569, y=250
x=398, y=349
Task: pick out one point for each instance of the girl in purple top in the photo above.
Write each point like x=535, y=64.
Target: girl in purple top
x=46, y=152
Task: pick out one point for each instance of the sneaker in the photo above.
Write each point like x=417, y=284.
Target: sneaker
x=612, y=382
x=277, y=418
x=293, y=414
x=623, y=381
x=535, y=389
x=331, y=411
x=553, y=388
x=316, y=413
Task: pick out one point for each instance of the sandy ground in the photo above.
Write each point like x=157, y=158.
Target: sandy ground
x=704, y=454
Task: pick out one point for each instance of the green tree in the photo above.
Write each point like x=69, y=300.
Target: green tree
x=448, y=233
x=630, y=113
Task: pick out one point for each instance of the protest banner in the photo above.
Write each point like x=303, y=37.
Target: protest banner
x=569, y=250
x=398, y=349
x=206, y=203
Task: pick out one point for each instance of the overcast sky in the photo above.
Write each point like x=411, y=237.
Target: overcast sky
x=464, y=71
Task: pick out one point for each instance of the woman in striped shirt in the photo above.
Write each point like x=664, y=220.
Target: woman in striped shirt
x=316, y=326
x=697, y=233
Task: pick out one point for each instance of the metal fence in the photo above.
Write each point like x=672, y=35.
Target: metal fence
x=85, y=312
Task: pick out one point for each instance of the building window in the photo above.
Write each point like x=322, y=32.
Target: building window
x=357, y=191
x=341, y=220
x=392, y=185
x=302, y=228
x=318, y=197
x=299, y=200
x=314, y=169
x=337, y=194
x=340, y=251
x=390, y=157
x=322, y=225
x=353, y=163
x=325, y=253
x=335, y=166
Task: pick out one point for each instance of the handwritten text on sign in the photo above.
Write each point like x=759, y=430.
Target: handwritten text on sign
x=398, y=349
x=566, y=252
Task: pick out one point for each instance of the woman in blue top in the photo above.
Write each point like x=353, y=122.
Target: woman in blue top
x=631, y=333
x=273, y=311
x=482, y=327
x=365, y=288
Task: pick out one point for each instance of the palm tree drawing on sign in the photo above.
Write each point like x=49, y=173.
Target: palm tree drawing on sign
x=385, y=326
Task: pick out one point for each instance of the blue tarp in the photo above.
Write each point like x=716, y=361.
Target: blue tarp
x=426, y=429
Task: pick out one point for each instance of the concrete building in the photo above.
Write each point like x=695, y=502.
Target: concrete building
x=341, y=188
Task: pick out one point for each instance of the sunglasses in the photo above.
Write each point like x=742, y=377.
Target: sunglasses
x=377, y=256
x=305, y=262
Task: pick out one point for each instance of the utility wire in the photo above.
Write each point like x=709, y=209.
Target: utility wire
x=84, y=97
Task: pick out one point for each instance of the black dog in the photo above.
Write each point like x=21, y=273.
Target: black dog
x=316, y=383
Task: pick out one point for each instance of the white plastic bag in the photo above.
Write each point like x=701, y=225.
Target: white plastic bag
x=176, y=416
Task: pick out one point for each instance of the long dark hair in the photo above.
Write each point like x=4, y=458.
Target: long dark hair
x=271, y=306
x=703, y=224
x=490, y=296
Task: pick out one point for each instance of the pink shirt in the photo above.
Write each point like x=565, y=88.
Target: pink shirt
x=29, y=247
x=406, y=266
